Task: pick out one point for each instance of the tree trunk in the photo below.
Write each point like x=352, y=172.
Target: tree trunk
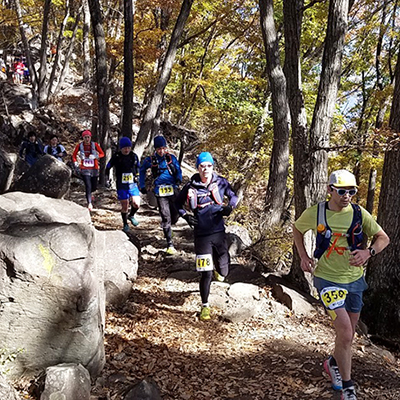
x=144, y=135
x=42, y=90
x=127, y=97
x=60, y=40
x=326, y=98
x=381, y=311
x=103, y=110
x=68, y=55
x=31, y=67
x=279, y=165
x=293, y=16
x=85, y=42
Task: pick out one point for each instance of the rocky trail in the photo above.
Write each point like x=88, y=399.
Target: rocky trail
x=157, y=338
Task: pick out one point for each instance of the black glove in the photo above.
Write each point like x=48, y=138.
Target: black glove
x=191, y=220
x=143, y=190
x=178, y=182
x=226, y=210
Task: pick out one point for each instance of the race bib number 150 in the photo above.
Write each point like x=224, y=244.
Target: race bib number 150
x=333, y=297
x=204, y=262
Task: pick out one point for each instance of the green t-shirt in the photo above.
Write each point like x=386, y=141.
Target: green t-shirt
x=336, y=267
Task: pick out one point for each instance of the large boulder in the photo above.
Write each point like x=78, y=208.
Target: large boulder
x=47, y=176
x=52, y=294
x=6, y=169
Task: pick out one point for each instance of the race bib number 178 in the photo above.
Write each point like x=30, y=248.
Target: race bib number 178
x=333, y=297
x=204, y=262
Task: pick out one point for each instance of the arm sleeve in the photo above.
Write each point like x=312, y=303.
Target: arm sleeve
x=63, y=151
x=146, y=163
x=109, y=165
x=99, y=150
x=75, y=153
x=178, y=169
x=233, y=199
x=181, y=200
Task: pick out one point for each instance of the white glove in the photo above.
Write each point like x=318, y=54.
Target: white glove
x=76, y=164
x=92, y=157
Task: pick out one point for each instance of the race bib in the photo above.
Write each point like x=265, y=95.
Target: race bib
x=166, y=190
x=333, y=297
x=204, y=262
x=88, y=163
x=127, y=178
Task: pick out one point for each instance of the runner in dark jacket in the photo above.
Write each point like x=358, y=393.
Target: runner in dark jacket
x=126, y=164
x=31, y=149
x=200, y=203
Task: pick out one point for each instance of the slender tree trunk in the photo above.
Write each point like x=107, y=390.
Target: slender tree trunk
x=67, y=56
x=279, y=165
x=31, y=67
x=144, y=135
x=85, y=42
x=326, y=98
x=293, y=17
x=58, y=51
x=43, y=54
x=103, y=110
x=381, y=311
x=127, y=98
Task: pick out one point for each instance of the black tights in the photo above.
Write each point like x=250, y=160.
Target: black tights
x=90, y=186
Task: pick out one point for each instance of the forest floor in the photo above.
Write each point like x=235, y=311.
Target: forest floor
x=158, y=336
x=274, y=355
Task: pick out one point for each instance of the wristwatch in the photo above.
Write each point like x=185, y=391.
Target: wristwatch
x=372, y=251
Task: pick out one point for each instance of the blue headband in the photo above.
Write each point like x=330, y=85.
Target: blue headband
x=205, y=156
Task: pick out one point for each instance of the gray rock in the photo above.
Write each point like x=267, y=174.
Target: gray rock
x=52, y=298
x=118, y=258
x=66, y=381
x=144, y=391
x=7, y=392
x=6, y=169
x=292, y=299
x=238, y=239
x=47, y=176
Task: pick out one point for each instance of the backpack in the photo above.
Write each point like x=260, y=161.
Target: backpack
x=49, y=150
x=193, y=196
x=354, y=234
x=155, y=168
x=92, y=148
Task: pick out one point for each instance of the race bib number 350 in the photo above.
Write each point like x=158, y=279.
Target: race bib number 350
x=333, y=297
x=204, y=262
x=167, y=190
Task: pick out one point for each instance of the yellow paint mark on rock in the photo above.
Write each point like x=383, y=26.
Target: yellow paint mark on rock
x=48, y=262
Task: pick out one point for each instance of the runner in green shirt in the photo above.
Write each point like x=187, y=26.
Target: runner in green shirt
x=339, y=274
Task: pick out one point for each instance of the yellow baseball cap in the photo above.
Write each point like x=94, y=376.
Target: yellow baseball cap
x=342, y=178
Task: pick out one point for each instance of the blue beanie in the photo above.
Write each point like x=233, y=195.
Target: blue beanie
x=125, y=142
x=205, y=156
x=159, y=141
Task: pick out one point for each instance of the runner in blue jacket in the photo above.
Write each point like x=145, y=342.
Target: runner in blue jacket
x=200, y=203
x=167, y=176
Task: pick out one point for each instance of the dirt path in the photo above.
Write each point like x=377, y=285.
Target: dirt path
x=157, y=336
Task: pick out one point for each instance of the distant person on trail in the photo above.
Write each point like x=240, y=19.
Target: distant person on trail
x=200, y=203
x=55, y=148
x=167, y=176
x=126, y=164
x=88, y=153
x=18, y=71
x=31, y=149
x=340, y=227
